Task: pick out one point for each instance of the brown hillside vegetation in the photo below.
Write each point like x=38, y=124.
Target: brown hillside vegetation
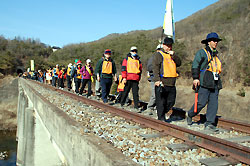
x=231, y=20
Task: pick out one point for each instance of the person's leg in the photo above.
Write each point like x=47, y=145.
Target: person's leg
x=62, y=83
x=170, y=98
x=203, y=95
x=212, y=107
x=97, y=88
x=160, y=95
x=104, y=90
x=151, y=103
x=56, y=81
x=108, y=87
x=89, y=88
x=135, y=92
x=74, y=84
x=68, y=82
x=118, y=98
x=125, y=92
x=59, y=82
x=84, y=82
x=53, y=81
x=78, y=84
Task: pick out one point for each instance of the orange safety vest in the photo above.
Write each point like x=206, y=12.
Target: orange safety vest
x=121, y=84
x=57, y=72
x=215, y=63
x=133, y=65
x=40, y=74
x=169, y=66
x=79, y=75
x=68, y=71
x=107, y=67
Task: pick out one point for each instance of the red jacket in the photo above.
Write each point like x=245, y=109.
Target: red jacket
x=62, y=74
x=126, y=74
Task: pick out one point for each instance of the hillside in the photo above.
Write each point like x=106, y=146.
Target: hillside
x=230, y=19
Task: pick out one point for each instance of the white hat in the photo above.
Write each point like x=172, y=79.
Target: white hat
x=70, y=65
x=159, y=46
x=133, y=48
x=88, y=61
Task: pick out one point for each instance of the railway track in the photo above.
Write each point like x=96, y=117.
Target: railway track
x=229, y=149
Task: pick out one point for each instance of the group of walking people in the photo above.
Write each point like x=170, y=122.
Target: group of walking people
x=162, y=75
x=206, y=69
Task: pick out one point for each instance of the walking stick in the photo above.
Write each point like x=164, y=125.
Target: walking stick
x=196, y=99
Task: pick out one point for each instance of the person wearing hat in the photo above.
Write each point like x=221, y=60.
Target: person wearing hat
x=152, y=104
x=105, y=72
x=68, y=78
x=73, y=74
x=131, y=75
x=206, y=69
x=87, y=77
x=165, y=63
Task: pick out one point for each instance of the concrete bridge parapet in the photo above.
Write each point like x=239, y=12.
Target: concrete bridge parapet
x=40, y=123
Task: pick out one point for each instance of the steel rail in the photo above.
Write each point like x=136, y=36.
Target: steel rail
x=224, y=147
x=229, y=124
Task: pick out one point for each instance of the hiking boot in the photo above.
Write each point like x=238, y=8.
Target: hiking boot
x=139, y=110
x=151, y=113
x=166, y=120
x=211, y=128
x=189, y=120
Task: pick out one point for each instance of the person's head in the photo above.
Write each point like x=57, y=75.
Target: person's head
x=70, y=65
x=79, y=64
x=88, y=61
x=133, y=50
x=159, y=47
x=76, y=60
x=57, y=66
x=107, y=53
x=167, y=44
x=212, y=40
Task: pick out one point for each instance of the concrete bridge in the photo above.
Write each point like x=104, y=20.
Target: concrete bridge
x=47, y=136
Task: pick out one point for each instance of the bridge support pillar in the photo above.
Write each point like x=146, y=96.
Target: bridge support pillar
x=25, y=131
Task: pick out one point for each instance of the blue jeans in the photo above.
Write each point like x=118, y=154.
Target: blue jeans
x=207, y=97
x=106, y=86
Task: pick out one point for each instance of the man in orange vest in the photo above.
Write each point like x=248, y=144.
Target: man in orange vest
x=105, y=71
x=131, y=75
x=206, y=68
x=164, y=70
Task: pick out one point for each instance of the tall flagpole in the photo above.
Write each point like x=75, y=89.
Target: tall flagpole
x=168, y=24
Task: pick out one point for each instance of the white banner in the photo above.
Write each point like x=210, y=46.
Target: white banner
x=168, y=25
x=32, y=65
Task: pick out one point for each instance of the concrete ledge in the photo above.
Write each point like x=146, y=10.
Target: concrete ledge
x=77, y=148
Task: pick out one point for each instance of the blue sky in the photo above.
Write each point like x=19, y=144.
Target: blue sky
x=63, y=22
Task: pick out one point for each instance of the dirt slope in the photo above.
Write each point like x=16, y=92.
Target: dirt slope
x=8, y=103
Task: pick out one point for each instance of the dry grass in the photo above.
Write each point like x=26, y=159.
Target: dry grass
x=145, y=88
x=8, y=113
